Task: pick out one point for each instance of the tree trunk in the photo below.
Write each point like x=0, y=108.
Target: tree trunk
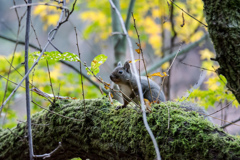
x=223, y=18
x=104, y=133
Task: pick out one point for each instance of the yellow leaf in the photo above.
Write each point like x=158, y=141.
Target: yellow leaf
x=208, y=65
x=106, y=85
x=212, y=83
x=154, y=40
x=151, y=27
x=52, y=19
x=206, y=54
x=156, y=13
x=40, y=10
x=235, y=103
x=165, y=65
x=138, y=51
x=134, y=60
x=158, y=74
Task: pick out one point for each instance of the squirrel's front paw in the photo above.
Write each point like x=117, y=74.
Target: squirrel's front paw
x=119, y=107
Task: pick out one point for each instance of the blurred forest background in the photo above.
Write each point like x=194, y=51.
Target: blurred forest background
x=164, y=28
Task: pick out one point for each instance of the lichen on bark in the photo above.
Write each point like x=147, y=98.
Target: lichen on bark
x=223, y=18
x=104, y=133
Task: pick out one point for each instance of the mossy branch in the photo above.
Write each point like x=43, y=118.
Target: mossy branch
x=109, y=134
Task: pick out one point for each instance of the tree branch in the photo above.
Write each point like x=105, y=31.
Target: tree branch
x=109, y=134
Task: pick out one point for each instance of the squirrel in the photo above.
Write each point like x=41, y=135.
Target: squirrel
x=126, y=80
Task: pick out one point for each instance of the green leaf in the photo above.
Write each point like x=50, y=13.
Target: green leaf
x=55, y=56
x=95, y=64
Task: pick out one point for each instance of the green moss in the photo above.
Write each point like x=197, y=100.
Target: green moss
x=109, y=134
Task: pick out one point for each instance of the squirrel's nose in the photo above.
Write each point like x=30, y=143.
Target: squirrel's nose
x=111, y=77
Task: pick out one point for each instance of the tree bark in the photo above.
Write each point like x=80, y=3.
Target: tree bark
x=106, y=133
x=223, y=18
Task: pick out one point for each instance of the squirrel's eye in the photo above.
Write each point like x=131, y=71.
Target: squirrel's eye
x=120, y=72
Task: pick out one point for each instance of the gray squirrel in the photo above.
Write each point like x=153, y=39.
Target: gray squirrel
x=126, y=80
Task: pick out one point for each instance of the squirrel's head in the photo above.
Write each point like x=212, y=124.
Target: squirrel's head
x=121, y=74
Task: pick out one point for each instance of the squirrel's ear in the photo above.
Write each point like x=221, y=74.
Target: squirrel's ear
x=127, y=66
x=119, y=64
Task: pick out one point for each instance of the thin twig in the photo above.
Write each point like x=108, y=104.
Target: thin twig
x=197, y=67
x=47, y=155
x=138, y=82
x=19, y=42
x=169, y=70
x=144, y=63
x=37, y=4
x=222, y=107
x=30, y=142
x=230, y=123
x=173, y=38
x=49, y=75
x=36, y=36
x=168, y=117
x=189, y=14
x=11, y=81
x=179, y=49
x=79, y=54
x=117, y=33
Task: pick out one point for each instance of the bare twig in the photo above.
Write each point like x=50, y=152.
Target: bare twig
x=50, y=81
x=179, y=49
x=79, y=54
x=169, y=70
x=138, y=82
x=47, y=155
x=11, y=81
x=173, y=38
x=30, y=143
x=230, y=123
x=117, y=33
x=168, y=117
x=222, y=107
x=36, y=36
x=197, y=67
x=189, y=14
x=183, y=23
x=19, y=42
x=140, y=47
x=37, y=4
